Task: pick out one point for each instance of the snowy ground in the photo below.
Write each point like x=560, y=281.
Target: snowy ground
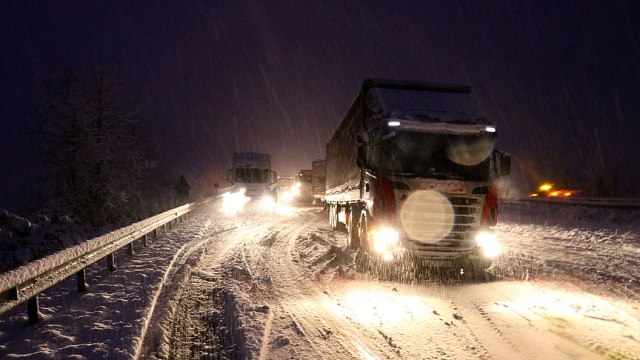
x=282, y=286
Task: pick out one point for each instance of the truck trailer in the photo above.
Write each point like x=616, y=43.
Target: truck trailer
x=318, y=180
x=410, y=172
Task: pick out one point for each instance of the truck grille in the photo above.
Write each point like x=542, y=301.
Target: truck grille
x=419, y=220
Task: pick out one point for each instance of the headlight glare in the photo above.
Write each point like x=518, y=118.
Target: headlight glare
x=267, y=203
x=383, y=239
x=488, y=242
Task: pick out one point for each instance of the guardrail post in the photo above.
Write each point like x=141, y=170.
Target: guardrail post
x=82, y=283
x=111, y=262
x=33, y=309
x=145, y=240
x=130, y=249
x=155, y=234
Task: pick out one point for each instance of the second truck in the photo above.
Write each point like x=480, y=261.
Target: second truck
x=410, y=172
x=252, y=180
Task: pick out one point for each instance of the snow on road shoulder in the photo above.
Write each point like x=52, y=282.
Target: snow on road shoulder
x=570, y=216
x=598, y=247
x=107, y=321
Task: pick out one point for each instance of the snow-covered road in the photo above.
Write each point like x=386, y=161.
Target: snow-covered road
x=282, y=286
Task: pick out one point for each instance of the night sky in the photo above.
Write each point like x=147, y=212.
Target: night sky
x=560, y=79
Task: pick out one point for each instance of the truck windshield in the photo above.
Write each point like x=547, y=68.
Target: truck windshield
x=246, y=175
x=441, y=156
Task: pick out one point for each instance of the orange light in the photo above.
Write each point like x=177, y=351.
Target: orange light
x=545, y=187
x=554, y=193
x=568, y=193
x=534, y=195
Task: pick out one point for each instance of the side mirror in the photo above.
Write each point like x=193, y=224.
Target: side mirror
x=505, y=164
x=273, y=177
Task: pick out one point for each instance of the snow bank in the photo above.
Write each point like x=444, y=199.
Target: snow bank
x=22, y=241
x=569, y=216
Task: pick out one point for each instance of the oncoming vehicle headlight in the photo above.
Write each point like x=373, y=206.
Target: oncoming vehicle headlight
x=233, y=203
x=488, y=242
x=383, y=239
x=267, y=203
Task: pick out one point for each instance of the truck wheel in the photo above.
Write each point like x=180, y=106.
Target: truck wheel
x=362, y=261
x=353, y=228
x=363, y=231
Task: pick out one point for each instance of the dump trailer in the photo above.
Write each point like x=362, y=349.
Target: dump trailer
x=318, y=180
x=410, y=173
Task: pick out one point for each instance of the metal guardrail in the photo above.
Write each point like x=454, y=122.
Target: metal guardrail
x=24, y=283
x=616, y=203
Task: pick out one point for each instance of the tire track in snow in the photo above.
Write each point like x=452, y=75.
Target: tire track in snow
x=194, y=309
x=324, y=332
x=178, y=270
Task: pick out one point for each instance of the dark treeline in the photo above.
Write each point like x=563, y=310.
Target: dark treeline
x=96, y=162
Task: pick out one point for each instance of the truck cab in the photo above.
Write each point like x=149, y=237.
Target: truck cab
x=410, y=171
x=252, y=172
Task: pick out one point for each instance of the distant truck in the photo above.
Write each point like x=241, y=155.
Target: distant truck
x=410, y=172
x=252, y=172
x=318, y=180
x=303, y=184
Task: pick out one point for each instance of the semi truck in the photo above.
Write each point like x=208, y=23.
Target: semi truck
x=410, y=172
x=318, y=180
x=251, y=175
x=303, y=186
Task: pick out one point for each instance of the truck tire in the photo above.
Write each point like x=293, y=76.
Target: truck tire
x=353, y=229
x=363, y=231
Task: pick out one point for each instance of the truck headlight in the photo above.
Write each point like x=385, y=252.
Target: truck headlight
x=488, y=242
x=232, y=203
x=267, y=203
x=384, y=239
